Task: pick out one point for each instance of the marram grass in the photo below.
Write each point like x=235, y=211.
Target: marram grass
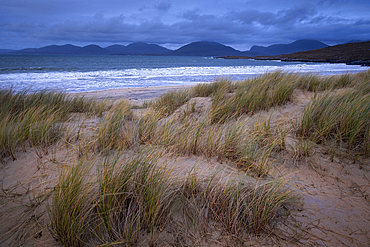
x=134, y=199
x=250, y=96
x=342, y=117
x=35, y=119
x=222, y=133
x=131, y=199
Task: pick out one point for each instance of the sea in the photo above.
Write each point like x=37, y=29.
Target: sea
x=72, y=74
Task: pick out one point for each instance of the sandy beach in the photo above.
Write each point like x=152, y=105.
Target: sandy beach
x=135, y=95
x=333, y=207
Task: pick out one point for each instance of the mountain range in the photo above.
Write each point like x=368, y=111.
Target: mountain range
x=199, y=48
x=352, y=53
x=296, y=46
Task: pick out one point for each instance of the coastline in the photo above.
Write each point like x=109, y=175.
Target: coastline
x=135, y=95
x=303, y=60
x=351, y=54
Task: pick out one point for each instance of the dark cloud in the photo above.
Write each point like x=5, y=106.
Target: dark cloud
x=35, y=23
x=294, y=15
x=163, y=6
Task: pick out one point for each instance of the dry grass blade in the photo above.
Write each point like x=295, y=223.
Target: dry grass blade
x=71, y=206
x=342, y=117
x=35, y=118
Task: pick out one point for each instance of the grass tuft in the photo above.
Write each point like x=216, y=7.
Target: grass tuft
x=236, y=207
x=111, y=133
x=133, y=197
x=35, y=119
x=128, y=196
x=342, y=117
x=250, y=96
x=71, y=206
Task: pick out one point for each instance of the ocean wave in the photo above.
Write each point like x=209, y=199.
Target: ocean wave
x=78, y=81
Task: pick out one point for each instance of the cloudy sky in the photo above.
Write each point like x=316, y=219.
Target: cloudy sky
x=172, y=23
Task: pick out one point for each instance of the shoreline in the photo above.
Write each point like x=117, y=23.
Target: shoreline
x=303, y=60
x=351, y=54
x=135, y=95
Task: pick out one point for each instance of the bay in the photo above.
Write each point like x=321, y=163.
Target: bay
x=70, y=73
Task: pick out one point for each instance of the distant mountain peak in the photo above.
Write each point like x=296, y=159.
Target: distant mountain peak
x=205, y=48
x=142, y=48
x=296, y=46
x=357, y=53
x=197, y=48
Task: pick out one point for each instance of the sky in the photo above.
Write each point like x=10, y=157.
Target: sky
x=173, y=23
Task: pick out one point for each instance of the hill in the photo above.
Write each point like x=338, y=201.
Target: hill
x=296, y=46
x=205, y=48
x=351, y=53
x=64, y=49
x=141, y=48
x=51, y=49
x=117, y=49
x=93, y=50
x=138, y=48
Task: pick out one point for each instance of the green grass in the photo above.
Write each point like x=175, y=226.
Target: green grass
x=222, y=133
x=233, y=99
x=209, y=89
x=338, y=119
x=13, y=103
x=134, y=195
x=236, y=207
x=70, y=210
x=35, y=119
x=169, y=102
x=127, y=198
x=251, y=96
x=316, y=83
x=133, y=199
x=111, y=133
x=342, y=117
x=118, y=191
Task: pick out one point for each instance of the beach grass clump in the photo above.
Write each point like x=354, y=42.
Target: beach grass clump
x=362, y=82
x=70, y=210
x=209, y=89
x=261, y=93
x=232, y=141
x=342, y=117
x=35, y=119
x=35, y=127
x=134, y=196
x=111, y=134
x=120, y=130
x=317, y=83
x=169, y=102
x=14, y=103
x=128, y=200
x=237, y=208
